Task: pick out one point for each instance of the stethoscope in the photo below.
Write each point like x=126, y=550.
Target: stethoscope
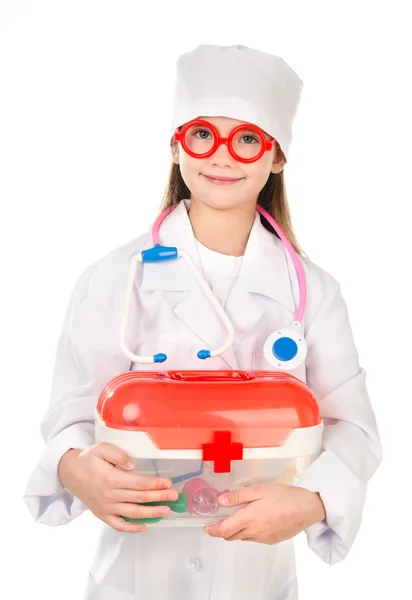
x=284, y=349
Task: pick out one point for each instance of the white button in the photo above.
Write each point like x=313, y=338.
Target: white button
x=196, y=564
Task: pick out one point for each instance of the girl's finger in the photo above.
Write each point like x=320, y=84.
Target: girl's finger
x=139, y=511
x=230, y=525
x=241, y=496
x=240, y=535
x=226, y=528
x=134, y=481
x=143, y=496
x=124, y=526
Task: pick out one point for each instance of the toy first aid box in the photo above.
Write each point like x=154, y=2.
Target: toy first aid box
x=211, y=431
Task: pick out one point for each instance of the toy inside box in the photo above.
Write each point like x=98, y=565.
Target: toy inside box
x=211, y=431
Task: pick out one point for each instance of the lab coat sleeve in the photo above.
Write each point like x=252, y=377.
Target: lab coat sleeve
x=351, y=449
x=88, y=355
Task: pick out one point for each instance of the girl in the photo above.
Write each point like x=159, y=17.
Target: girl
x=223, y=167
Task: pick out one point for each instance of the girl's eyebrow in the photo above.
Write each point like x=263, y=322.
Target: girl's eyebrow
x=230, y=127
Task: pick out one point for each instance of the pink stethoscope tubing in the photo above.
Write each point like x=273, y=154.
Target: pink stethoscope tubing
x=296, y=263
x=284, y=349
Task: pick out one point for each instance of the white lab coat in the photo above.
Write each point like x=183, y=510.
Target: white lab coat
x=171, y=314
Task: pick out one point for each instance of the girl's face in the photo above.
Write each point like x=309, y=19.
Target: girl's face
x=249, y=178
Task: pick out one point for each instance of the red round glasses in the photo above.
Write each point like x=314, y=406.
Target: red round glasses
x=201, y=139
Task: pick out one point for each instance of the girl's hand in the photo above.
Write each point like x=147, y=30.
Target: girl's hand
x=273, y=512
x=108, y=491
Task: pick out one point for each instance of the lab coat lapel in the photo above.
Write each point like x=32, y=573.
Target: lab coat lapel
x=194, y=310
x=266, y=269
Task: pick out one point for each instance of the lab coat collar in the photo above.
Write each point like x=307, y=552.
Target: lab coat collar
x=264, y=270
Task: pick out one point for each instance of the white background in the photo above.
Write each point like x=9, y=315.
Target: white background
x=85, y=100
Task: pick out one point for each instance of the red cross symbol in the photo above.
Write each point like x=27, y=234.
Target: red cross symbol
x=222, y=451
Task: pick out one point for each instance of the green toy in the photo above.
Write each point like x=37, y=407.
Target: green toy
x=177, y=506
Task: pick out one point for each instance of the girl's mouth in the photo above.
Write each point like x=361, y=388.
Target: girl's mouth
x=222, y=180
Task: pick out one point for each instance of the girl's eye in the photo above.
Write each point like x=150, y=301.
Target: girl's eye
x=203, y=133
x=249, y=139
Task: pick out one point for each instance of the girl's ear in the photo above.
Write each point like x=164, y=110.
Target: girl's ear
x=174, y=149
x=279, y=160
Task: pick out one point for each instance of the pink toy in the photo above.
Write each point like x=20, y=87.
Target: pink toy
x=201, y=497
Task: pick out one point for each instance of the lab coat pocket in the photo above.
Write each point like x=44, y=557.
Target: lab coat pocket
x=111, y=575
x=289, y=592
x=94, y=591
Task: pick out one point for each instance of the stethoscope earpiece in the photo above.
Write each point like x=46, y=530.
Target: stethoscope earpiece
x=285, y=349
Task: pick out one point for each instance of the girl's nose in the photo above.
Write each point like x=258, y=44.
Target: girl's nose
x=222, y=154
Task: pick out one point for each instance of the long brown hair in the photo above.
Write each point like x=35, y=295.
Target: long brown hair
x=272, y=198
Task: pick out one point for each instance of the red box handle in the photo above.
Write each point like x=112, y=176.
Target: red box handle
x=213, y=376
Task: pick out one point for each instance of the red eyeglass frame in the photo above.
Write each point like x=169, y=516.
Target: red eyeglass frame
x=180, y=135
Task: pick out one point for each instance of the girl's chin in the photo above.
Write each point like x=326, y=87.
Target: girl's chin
x=221, y=201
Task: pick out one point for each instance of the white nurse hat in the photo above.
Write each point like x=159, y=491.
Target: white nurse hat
x=237, y=82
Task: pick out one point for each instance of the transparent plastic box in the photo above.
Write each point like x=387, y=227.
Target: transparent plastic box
x=211, y=431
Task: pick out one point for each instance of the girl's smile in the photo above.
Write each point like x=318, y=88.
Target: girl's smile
x=222, y=180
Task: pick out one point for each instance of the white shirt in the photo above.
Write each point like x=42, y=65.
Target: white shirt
x=220, y=270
